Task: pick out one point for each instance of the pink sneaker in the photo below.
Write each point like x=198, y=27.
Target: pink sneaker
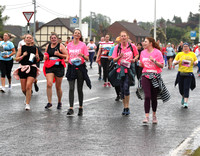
x=154, y=121
x=146, y=120
x=108, y=84
x=105, y=84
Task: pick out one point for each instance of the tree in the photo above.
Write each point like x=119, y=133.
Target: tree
x=193, y=17
x=2, y=19
x=174, y=32
x=160, y=35
x=99, y=24
x=177, y=20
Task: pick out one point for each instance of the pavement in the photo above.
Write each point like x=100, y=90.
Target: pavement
x=102, y=130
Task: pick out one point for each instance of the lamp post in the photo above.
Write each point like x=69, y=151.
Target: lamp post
x=199, y=23
x=155, y=21
x=91, y=16
x=80, y=15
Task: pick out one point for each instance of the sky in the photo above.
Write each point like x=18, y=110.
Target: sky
x=141, y=10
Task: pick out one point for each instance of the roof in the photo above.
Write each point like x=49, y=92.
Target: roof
x=59, y=22
x=16, y=30
x=134, y=29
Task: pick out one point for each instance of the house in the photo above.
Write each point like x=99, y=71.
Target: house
x=135, y=32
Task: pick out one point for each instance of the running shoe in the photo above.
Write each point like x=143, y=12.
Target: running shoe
x=154, y=121
x=127, y=111
x=185, y=105
x=49, y=105
x=70, y=112
x=9, y=86
x=199, y=75
x=108, y=84
x=36, y=87
x=105, y=84
x=182, y=101
x=99, y=78
x=146, y=120
x=80, y=111
x=59, y=106
x=27, y=107
x=124, y=111
x=117, y=98
x=3, y=89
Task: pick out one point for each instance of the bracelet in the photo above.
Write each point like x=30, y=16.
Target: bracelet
x=21, y=57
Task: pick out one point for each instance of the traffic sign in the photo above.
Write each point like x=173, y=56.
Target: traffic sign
x=193, y=35
x=74, y=22
x=28, y=15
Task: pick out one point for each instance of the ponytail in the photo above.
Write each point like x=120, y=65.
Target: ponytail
x=154, y=43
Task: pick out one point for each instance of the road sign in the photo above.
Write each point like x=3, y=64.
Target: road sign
x=193, y=35
x=74, y=22
x=28, y=15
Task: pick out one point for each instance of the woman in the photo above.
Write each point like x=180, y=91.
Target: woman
x=170, y=55
x=6, y=60
x=27, y=56
x=185, y=77
x=91, y=48
x=197, y=52
x=53, y=68
x=151, y=59
x=137, y=67
x=77, y=54
x=125, y=55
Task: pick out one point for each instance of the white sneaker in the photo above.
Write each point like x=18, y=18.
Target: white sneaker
x=3, y=89
x=27, y=107
x=9, y=86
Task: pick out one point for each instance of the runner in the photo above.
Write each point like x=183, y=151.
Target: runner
x=53, y=68
x=151, y=59
x=197, y=52
x=125, y=54
x=185, y=77
x=102, y=58
x=99, y=65
x=6, y=61
x=170, y=55
x=138, y=69
x=77, y=54
x=91, y=48
x=27, y=56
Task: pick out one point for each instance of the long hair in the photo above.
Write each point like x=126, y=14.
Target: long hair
x=81, y=39
x=154, y=44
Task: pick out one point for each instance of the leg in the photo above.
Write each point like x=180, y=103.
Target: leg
x=71, y=93
x=58, y=88
x=23, y=86
x=49, y=77
x=80, y=82
x=29, y=84
x=154, y=93
x=103, y=63
x=187, y=84
x=8, y=71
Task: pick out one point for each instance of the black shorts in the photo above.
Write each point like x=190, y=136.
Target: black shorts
x=24, y=75
x=58, y=70
x=168, y=57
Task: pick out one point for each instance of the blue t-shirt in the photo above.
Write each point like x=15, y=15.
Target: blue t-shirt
x=111, y=51
x=7, y=50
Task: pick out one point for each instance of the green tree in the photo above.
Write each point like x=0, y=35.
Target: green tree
x=2, y=19
x=193, y=17
x=146, y=25
x=99, y=24
x=160, y=35
x=177, y=20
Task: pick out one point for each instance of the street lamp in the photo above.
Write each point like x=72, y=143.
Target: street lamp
x=92, y=14
x=199, y=23
x=80, y=15
x=155, y=21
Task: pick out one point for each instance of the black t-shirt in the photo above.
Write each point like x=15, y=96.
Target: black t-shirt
x=51, y=51
x=25, y=60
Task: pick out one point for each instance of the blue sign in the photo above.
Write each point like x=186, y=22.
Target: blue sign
x=74, y=20
x=193, y=33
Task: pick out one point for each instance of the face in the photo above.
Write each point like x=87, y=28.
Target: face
x=139, y=46
x=186, y=48
x=147, y=44
x=5, y=37
x=28, y=39
x=102, y=39
x=123, y=37
x=77, y=34
x=107, y=37
x=54, y=39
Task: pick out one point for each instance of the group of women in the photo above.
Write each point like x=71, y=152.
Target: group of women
x=125, y=54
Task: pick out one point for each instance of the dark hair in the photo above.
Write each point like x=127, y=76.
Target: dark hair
x=9, y=35
x=54, y=34
x=81, y=39
x=154, y=43
x=139, y=44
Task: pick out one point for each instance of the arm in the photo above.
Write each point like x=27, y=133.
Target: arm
x=117, y=58
x=98, y=55
x=160, y=65
x=45, y=57
x=18, y=56
x=63, y=50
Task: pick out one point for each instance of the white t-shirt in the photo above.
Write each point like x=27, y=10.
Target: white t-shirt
x=21, y=43
x=91, y=47
x=197, y=52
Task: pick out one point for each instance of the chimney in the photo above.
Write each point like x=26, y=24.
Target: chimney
x=135, y=21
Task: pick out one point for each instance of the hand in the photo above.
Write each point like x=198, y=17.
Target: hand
x=151, y=58
x=45, y=57
x=67, y=60
x=195, y=63
x=25, y=53
x=6, y=56
x=37, y=57
x=132, y=60
x=56, y=53
x=121, y=55
x=80, y=54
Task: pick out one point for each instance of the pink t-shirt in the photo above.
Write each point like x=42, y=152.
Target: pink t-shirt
x=128, y=55
x=148, y=65
x=74, y=50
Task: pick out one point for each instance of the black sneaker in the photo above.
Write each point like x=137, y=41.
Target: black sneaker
x=59, y=106
x=80, y=111
x=70, y=112
x=48, y=105
x=117, y=98
x=124, y=111
x=36, y=87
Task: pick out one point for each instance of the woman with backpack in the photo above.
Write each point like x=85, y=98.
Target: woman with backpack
x=125, y=54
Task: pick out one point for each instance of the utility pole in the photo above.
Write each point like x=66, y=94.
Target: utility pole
x=80, y=15
x=155, y=21
x=91, y=16
x=199, y=23
x=34, y=3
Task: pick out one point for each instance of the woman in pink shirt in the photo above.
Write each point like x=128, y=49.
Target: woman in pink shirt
x=77, y=54
x=151, y=59
x=125, y=56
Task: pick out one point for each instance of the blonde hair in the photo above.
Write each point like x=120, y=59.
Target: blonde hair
x=54, y=34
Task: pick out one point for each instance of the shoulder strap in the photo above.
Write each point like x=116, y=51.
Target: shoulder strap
x=130, y=46
x=119, y=49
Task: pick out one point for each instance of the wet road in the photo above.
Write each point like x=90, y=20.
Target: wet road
x=102, y=130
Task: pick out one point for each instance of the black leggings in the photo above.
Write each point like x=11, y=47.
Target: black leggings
x=80, y=81
x=105, y=64
x=184, y=85
x=6, y=67
x=150, y=95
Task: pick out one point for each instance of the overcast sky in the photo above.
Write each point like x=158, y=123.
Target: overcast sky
x=141, y=10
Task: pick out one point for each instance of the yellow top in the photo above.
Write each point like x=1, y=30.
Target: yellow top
x=186, y=61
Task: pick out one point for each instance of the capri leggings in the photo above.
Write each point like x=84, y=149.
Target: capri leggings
x=6, y=67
